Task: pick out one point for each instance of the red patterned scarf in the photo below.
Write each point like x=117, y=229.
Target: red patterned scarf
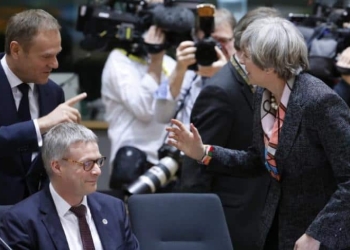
x=272, y=122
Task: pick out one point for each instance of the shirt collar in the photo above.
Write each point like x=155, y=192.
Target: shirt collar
x=61, y=205
x=241, y=65
x=11, y=77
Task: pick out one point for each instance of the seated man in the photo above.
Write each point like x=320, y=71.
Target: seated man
x=69, y=214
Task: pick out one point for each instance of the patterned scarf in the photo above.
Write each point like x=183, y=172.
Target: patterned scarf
x=272, y=122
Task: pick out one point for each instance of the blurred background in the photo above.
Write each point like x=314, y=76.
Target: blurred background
x=66, y=12
x=80, y=70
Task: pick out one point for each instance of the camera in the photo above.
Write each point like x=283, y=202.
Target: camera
x=206, y=53
x=326, y=35
x=122, y=23
x=205, y=48
x=158, y=175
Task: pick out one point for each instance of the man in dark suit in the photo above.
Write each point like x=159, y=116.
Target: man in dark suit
x=223, y=115
x=30, y=103
x=69, y=214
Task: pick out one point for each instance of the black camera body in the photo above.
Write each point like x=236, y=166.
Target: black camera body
x=205, y=48
x=206, y=53
x=122, y=23
x=158, y=175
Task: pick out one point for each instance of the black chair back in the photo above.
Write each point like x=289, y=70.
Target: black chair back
x=172, y=221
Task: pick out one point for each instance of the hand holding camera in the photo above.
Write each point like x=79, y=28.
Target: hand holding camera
x=207, y=51
x=209, y=71
x=185, y=55
x=154, y=41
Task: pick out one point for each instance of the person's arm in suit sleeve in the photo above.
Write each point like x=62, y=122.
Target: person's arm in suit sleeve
x=18, y=137
x=212, y=115
x=14, y=233
x=23, y=136
x=332, y=119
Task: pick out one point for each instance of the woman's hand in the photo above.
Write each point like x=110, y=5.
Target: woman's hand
x=189, y=142
x=307, y=242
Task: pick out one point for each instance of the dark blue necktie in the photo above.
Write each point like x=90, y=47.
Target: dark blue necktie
x=24, y=115
x=23, y=109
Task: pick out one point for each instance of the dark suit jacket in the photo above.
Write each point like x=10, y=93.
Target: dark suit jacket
x=342, y=88
x=223, y=115
x=34, y=223
x=313, y=158
x=17, y=180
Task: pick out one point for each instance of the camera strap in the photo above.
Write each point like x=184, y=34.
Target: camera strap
x=142, y=61
x=182, y=103
x=241, y=72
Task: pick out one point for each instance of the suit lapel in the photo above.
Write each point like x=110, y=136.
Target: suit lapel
x=8, y=111
x=257, y=127
x=103, y=228
x=51, y=220
x=44, y=100
x=291, y=123
x=247, y=93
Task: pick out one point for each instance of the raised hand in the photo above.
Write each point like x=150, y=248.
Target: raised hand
x=185, y=55
x=189, y=142
x=63, y=113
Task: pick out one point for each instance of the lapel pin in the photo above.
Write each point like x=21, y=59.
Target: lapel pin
x=104, y=221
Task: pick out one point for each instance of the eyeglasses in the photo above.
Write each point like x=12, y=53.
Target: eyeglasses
x=89, y=164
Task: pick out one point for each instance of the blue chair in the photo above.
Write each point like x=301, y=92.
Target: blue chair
x=173, y=221
x=3, y=209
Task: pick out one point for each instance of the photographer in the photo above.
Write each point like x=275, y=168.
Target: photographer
x=185, y=85
x=128, y=85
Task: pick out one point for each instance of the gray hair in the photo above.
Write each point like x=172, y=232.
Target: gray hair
x=224, y=16
x=59, y=138
x=248, y=18
x=24, y=26
x=275, y=42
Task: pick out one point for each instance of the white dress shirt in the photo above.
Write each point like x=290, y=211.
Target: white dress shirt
x=33, y=96
x=128, y=95
x=166, y=105
x=70, y=223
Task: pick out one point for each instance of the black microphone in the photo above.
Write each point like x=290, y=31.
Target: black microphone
x=174, y=19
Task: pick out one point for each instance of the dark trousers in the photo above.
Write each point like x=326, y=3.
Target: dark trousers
x=271, y=242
